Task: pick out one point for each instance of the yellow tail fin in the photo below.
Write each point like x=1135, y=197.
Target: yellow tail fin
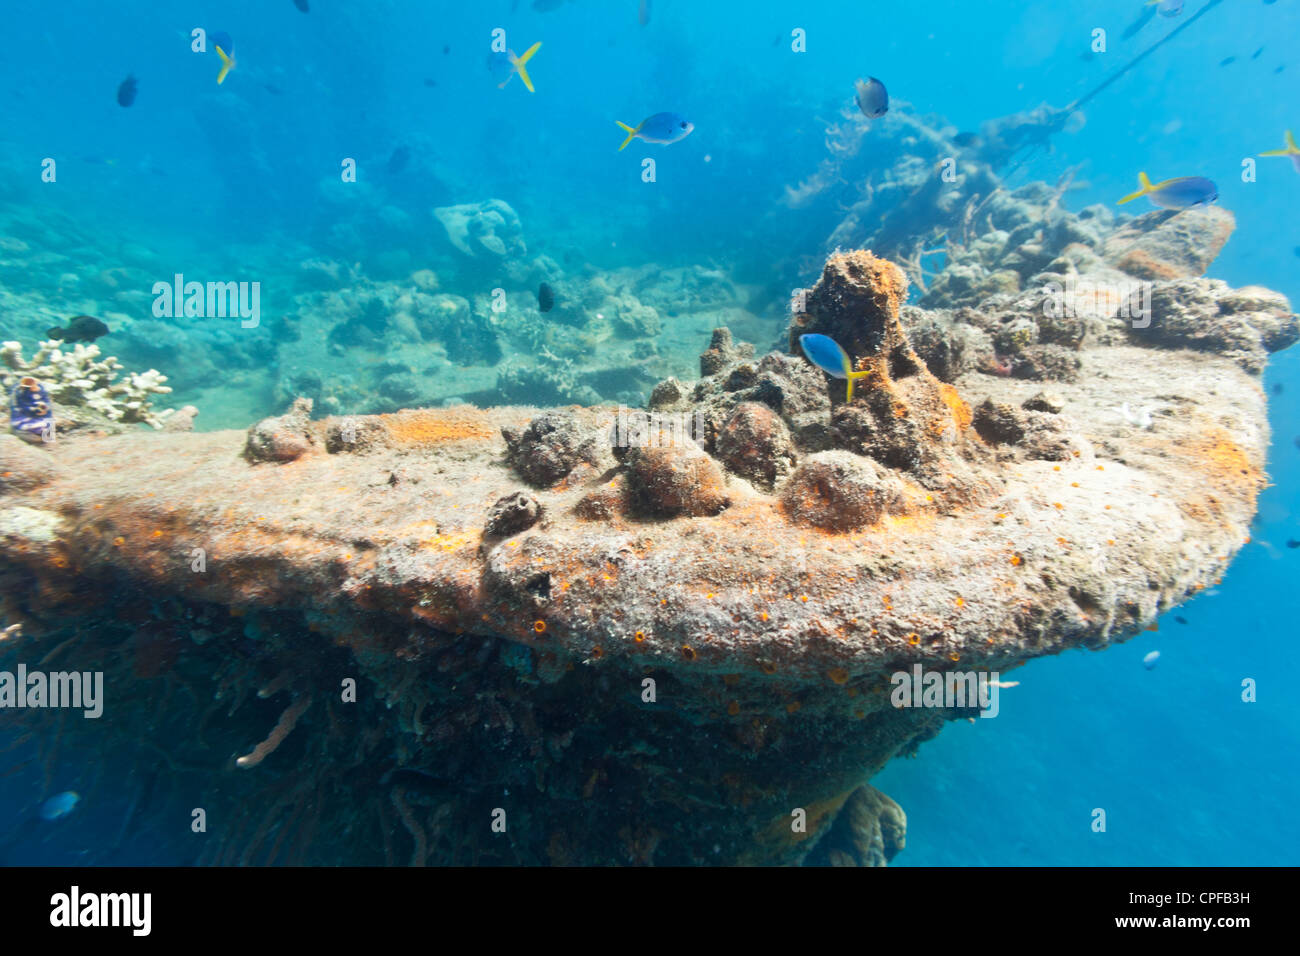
x=227, y=64
x=1291, y=148
x=630, y=134
x=520, y=61
x=853, y=377
x=1145, y=183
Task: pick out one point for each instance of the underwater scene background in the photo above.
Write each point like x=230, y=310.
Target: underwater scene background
x=377, y=294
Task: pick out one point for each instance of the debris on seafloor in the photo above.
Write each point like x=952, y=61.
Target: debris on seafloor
x=659, y=637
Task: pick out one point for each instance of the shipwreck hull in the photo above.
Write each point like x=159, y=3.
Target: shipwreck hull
x=468, y=636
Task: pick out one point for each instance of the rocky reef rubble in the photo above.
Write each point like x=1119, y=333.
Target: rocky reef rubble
x=1026, y=237
x=659, y=636
x=1027, y=302
x=936, y=202
x=282, y=438
x=385, y=304
x=549, y=448
x=1246, y=324
x=491, y=228
x=472, y=330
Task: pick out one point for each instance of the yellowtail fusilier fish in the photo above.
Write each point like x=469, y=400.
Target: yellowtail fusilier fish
x=662, y=128
x=824, y=352
x=1180, y=193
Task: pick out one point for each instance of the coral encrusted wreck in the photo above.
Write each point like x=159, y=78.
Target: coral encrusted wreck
x=657, y=637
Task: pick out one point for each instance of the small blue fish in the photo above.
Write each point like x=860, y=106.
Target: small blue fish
x=824, y=352
x=31, y=413
x=507, y=65
x=1167, y=8
x=662, y=128
x=1150, y=660
x=1181, y=193
x=59, y=805
x=1292, y=151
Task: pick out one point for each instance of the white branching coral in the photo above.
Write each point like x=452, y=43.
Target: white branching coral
x=78, y=378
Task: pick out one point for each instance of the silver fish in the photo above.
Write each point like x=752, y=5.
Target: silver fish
x=872, y=97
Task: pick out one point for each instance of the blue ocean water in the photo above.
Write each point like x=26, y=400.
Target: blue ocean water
x=242, y=181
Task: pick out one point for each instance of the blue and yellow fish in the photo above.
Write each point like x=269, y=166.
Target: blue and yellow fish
x=1292, y=150
x=824, y=352
x=1180, y=193
x=662, y=128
